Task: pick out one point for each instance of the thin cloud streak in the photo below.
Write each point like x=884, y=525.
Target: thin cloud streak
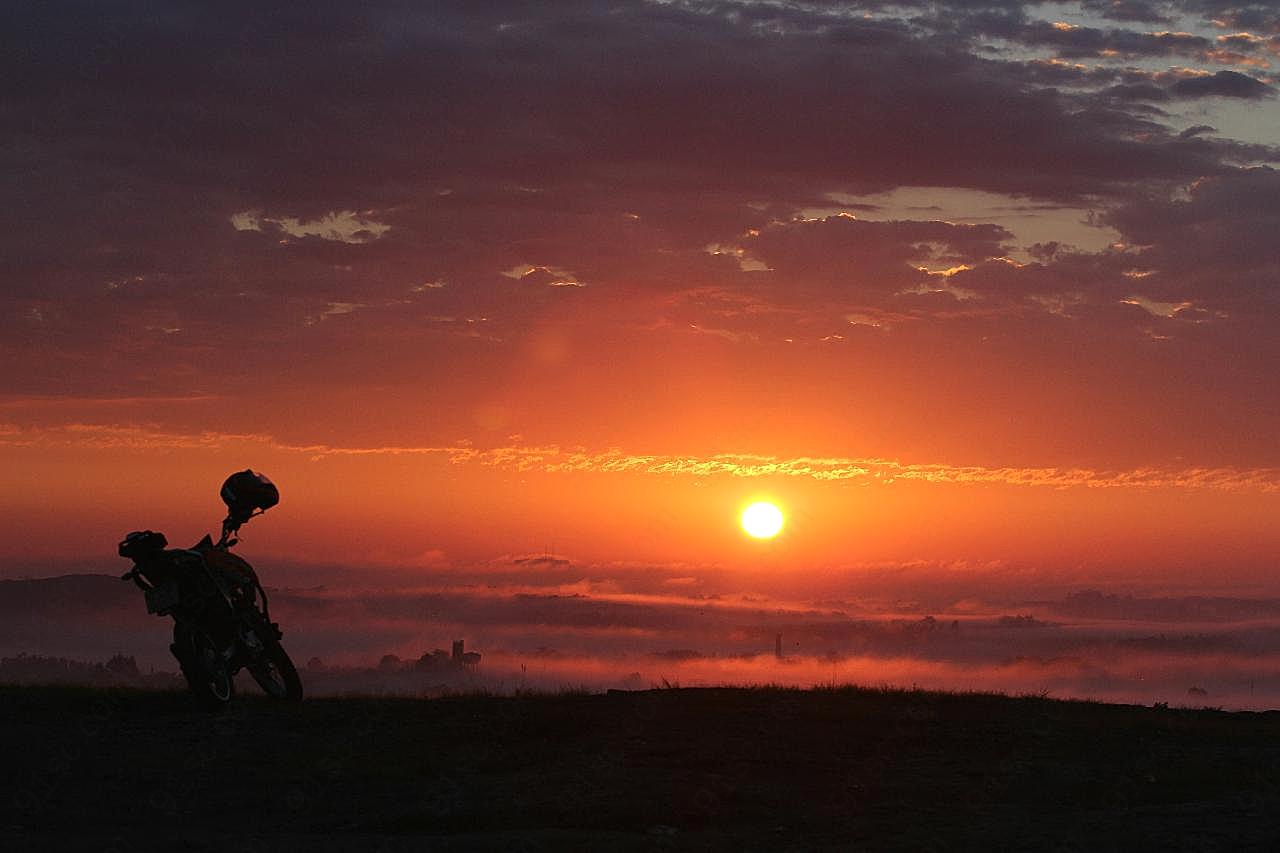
x=553, y=459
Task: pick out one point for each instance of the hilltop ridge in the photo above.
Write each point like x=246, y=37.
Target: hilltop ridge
x=707, y=768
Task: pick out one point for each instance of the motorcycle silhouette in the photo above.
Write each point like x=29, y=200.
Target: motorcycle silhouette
x=221, y=618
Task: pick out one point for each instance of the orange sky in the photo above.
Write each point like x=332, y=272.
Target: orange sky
x=433, y=510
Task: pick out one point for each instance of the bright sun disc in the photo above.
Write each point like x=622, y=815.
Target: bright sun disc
x=762, y=520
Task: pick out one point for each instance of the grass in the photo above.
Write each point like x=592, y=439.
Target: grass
x=762, y=767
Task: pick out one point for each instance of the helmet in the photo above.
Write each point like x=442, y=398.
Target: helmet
x=141, y=544
x=246, y=492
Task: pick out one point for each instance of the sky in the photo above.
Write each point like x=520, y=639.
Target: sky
x=982, y=293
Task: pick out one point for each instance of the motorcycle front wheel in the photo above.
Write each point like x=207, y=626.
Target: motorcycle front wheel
x=276, y=675
x=203, y=666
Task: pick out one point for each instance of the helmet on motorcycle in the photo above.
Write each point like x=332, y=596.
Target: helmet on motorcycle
x=142, y=544
x=246, y=492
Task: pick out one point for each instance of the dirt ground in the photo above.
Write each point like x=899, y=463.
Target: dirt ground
x=691, y=769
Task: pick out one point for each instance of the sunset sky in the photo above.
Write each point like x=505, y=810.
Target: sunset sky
x=983, y=295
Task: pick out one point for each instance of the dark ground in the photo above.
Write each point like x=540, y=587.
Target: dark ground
x=759, y=769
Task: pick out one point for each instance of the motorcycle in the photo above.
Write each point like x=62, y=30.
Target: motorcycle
x=221, y=615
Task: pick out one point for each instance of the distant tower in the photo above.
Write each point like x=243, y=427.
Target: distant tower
x=777, y=646
x=457, y=651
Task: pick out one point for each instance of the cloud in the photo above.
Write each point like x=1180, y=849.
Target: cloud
x=247, y=172
x=543, y=275
x=1187, y=84
x=876, y=256
x=556, y=460
x=1224, y=84
x=1075, y=41
x=343, y=226
x=1143, y=11
x=1257, y=15
x=1214, y=244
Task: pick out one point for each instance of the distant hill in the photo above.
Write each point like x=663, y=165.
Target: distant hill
x=68, y=593
x=86, y=617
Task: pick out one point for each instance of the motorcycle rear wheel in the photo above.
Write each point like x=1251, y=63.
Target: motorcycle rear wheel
x=276, y=674
x=203, y=666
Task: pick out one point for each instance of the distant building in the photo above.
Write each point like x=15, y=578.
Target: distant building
x=470, y=660
x=441, y=661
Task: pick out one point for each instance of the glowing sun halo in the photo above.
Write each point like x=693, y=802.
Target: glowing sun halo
x=762, y=520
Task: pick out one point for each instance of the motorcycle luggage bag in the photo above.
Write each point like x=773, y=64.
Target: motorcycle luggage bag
x=141, y=544
x=163, y=600
x=232, y=567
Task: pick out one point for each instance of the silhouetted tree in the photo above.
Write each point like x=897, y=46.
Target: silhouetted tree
x=121, y=665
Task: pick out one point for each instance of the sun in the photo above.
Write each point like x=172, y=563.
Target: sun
x=762, y=520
